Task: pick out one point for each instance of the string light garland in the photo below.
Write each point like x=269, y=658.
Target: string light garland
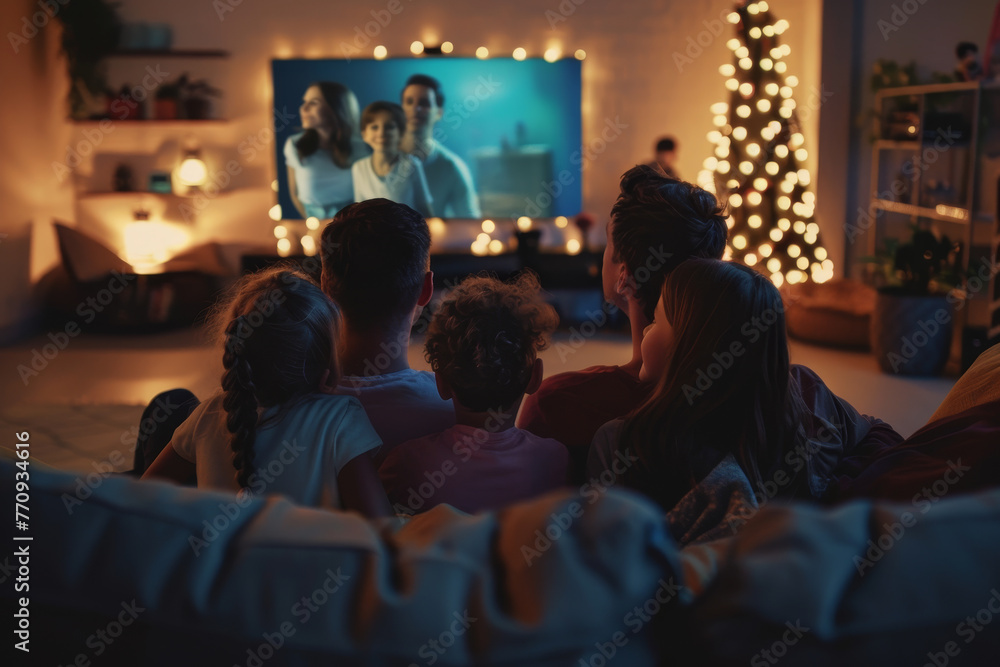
x=758, y=154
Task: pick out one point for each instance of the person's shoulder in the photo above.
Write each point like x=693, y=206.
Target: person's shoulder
x=588, y=376
x=361, y=164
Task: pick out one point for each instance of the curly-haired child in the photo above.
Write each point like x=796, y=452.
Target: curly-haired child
x=483, y=346
x=276, y=426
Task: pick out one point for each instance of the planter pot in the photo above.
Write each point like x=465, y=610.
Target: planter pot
x=911, y=335
x=166, y=108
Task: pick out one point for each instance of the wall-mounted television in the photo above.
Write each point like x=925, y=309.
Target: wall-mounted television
x=514, y=124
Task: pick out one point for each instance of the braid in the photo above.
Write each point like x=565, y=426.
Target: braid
x=240, y=402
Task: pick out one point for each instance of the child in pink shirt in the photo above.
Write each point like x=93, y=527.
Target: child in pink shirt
x=483, y=345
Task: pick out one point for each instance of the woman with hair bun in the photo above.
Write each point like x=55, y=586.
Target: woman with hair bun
x=319, y=158
x=277, y=425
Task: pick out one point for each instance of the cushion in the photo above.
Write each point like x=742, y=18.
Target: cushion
x=85, y=258
x=836, y=312
x=977, y=386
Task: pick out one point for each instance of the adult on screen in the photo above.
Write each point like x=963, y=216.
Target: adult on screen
x=450, y=181
x=319, y=158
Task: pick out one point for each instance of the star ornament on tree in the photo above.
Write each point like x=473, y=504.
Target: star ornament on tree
x=759, y=155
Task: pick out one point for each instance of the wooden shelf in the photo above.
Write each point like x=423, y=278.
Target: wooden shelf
x=169, y=53
x=892, y=144
x=920, y=211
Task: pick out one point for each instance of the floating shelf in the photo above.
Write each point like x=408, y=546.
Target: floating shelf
x=169, y=53
x=920, y=211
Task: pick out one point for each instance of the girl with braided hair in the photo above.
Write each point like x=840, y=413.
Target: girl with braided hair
x=277, y=425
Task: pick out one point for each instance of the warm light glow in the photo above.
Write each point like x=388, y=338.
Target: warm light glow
x=739, y=242
x=802, y=263
x=768, y=30
x=723, y=167
x=719, y=121
x=755, y=32
x=721, y=152
x=766, y=64
x=750, y=259
x=781, y=150
x=771, y=89
x=739, y=133
x=380, y=52
x=754, y=198
x=780, y=67
x=810, y=238
x=777, y=279
x=437, y=227
x=787, y=187
x=479, y=249
x=719, y=107
x=792, y=80
x=447, y=47
x=732, y=84
x=784, y=224
x=753, y=150
x=752, y=8
x=280, y=232
x=743, y=52
x=274, y=212
x=519, y=54
x=733, y=44
x=735, y=200
x=552, y=54
x=746, y=63
x=489, y=226
x=496, y=246
x=192, y=172
x=765, y=250
x=762, y=6
x=763, y=105
x=733, y=18
x=781, y=26
x=774, y=264
x=562, y=222
x=710, y=163
x=274, y=185
x=580, y=54
x=746, y=89
x=795, y=277
x=308, y=245
x=760, y=184
x=483, y=238
x=803, y=176
x=284, y=247
x=572, y=247
x=524, y=223
x=149, y=243
x=794, y=250
x=312, y=223
x=767, y=134
x=799, y=227
x=801, y=155
x=746, y=168
x=482, y=53
x=796, y=140
x=755, y=221
x=416, y=48
x=776, y=235
x=732, y=183
x=771, y=168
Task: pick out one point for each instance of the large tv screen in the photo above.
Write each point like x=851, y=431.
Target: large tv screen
x=509, y=130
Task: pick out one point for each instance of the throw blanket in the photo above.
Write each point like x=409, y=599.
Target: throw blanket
x=716, y=507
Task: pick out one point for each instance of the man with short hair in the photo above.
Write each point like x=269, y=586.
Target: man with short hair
x=656, y=223
x=376, y=266
x=449, y=178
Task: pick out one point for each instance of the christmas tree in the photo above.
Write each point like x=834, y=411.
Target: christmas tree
x=759, y=157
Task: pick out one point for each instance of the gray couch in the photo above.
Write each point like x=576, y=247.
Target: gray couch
x=142, y=573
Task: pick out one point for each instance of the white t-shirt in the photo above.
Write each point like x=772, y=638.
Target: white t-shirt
x=298, y=455
x=401, y=406
x=321, y=186
x=404, y=184
x=451, y=185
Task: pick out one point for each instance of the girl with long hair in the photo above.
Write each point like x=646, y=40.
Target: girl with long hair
x=277, y=426
x=718, y=352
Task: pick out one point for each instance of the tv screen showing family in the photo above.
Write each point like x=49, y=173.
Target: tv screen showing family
x=453, y=138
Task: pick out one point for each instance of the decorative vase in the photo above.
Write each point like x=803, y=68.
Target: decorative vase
x=911, y=335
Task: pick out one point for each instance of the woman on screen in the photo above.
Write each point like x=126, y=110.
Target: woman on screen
x=319, y=158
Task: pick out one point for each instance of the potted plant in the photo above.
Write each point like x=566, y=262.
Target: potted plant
x=167, y=103
x=912, y=322
x=91, y=29
x=195, y=98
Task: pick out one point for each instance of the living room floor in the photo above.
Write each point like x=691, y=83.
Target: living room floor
x=83, y=405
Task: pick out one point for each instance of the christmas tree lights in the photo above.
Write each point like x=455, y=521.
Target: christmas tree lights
x=759, y=152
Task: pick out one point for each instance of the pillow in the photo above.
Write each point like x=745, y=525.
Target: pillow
x=85, y=258
x=977, y=386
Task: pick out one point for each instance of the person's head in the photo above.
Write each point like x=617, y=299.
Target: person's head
x=718, y=353
x=376, y=263
x=657, y=223
x=483, y=342
x=382, y=126
x=423, y=102
x=279, y=333
x=966, y=51
x=331, y=108
x=666, y=151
